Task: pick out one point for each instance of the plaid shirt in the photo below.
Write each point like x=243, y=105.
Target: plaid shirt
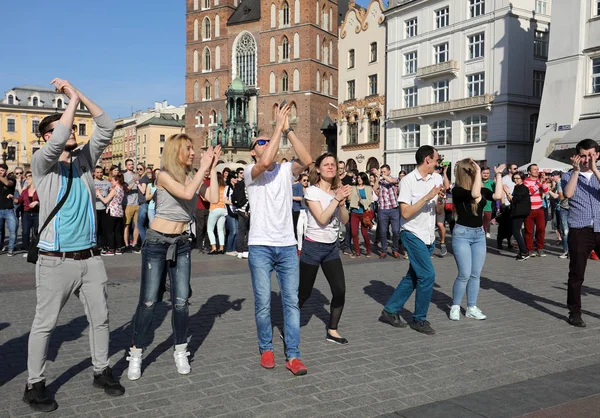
x=584, y=206
x=388, y=194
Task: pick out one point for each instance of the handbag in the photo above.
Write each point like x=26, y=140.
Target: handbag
x=367, y=219
x=33, y=252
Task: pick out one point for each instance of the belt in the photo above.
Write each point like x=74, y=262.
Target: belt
x=75, y=255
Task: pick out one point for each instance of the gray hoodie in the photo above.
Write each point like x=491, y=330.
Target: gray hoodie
x=49, y=180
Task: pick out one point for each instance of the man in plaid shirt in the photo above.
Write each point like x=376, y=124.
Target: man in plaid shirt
x=388, y=211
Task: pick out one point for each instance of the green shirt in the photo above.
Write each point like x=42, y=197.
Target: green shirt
x=490, y=185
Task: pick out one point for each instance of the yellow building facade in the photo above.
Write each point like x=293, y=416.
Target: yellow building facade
x=152, y=135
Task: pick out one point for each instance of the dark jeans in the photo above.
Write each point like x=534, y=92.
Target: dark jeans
x=114, y=232
x=387, y=217
x=154, y=270
x=30, y=223
x=295, y=216
x=101, y=227
x=242, y=232
x=201, y=222
x=581, y=243
x=516, y=223
x=504, y=225
x=142, y=220
x=232, y=229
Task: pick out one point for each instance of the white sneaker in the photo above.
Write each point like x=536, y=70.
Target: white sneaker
x=475, y=313
x=240, y=255
x=488, y=235
x=232, y=253
x=181, y=359
x=455, y=312
x=245, y=254
x=134, y=371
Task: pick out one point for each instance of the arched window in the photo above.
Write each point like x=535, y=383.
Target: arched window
x=296, y=46
x=325, y=84
x=318, y=47
x=284, y=82
x=35, y=101
x=330, y=52
x=207, y=92
x=351, y=164
x=272, y=50
x=217, y=89
x=273, y=15
x=206, y=4
x=207, y=58
x=374, y=128
x=324, y=19
x=324, y=52
x=293, y=112
x=476, y=129
x=318, y=81
x=245, y=59
x=59, y=103
x=199, y=120
x=330, y=85
x=285, y=14
x=195, y=61
x=195, y=29
x=272, y=83
x=372, y=163
x=11, y=99
x=275, y=111
x=213, y=116
x=206, y=30
x=411, y=136
x=195, y=4
x=533, y=122
x=318, y=13
x=330, y=19
x=196, y=91
x=285, y=49
x=217, y=57
x=296, y=80
x=352, y=136
x=441, y=132
x=297, y=11
x=217, y=25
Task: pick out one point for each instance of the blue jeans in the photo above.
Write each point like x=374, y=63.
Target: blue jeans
x=142, y=220
x=469, y=248
x=232, y=228
x=262, y=260
x=387, y=216
x=564, y=227
x=30, y=222
x=154, y=270
x=8, y=216
x=420, y=276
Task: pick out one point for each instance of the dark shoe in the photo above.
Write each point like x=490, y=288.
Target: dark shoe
x=38, y=399
x=522, y=257
x=540, y=253
x=137, y=249
x=213, y=252
x=499, y=246
x=422, y=326
x=340, y=340
x=106, y=381
x=576, y=321
x=396, y=254
x=392, y=319
x=382, y=255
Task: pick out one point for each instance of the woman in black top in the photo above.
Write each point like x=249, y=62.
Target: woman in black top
x=520, y=204
x=468, y=238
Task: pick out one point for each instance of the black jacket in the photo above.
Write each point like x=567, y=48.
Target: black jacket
x=520, y=204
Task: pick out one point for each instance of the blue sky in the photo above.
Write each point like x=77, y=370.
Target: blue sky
x=123, y=54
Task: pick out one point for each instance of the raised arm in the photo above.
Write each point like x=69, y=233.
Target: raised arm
x=272, y=148
x=211, y=194
x=499, y=191
x=477, y=184
x=571, y=186
x=188, y=190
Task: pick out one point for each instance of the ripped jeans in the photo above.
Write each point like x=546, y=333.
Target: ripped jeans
x=155, y=266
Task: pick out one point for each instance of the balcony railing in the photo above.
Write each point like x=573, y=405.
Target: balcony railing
x=448, y=67
x=448, y=106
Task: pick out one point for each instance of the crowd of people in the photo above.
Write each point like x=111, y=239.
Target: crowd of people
x=288, y=217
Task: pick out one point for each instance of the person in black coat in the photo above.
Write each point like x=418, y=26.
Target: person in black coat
x=520, y=207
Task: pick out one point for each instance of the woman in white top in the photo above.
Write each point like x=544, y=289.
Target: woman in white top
x=326, y=202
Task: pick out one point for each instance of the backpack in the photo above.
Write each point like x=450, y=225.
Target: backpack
x=238, y=197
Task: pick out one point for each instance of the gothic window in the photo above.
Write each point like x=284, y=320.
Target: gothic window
x=207, y=93
x=245, y=54
x=218, y=57
x=296, y=46
x=217, y=25
x=297, y=11
x=272, y=81
x=285, y=49
x=207, y=65
x=272, y=50
x=273, y=15
x=196, y=91
x=285, y=14
x=195, y=29
x=206, y=28
x=195, y=61
x=296, y=80
x=285, y=82
x=217, y=88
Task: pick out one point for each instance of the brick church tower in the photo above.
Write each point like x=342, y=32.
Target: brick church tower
x=244, y=57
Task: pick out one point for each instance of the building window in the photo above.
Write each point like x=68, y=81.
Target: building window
x=285, y=82
x=596, y=75
x=207, y=95
x=373, y=52
x=162, y=139
x=538, y=83
x=286, y=14
x=81, y=106
x=217, y=88
x=476, y=7
x=410, y=62
x=35, y=101
x=373, y=84
x=476, y=44
x=411, y=27
x=206, y=4
x=351, y=89
x=285, y=49
x=442, y=17
x=351, y=58
x=533, y=121
x=245, y=53
x=35, y=125
x=410, y=97
x=475, y=85
x=540, y=44
x=352, y=132
x=10, y=125
x=476, y=129
x=597, y=7
x=59, y=103
x=207, y=64
x=82, y=129
x=11, y=99
x=441, y=132
x=206, y=29
x=541, y=6
x=374, y=130
x=411, y=136
x=441, y=91
x=441, y=53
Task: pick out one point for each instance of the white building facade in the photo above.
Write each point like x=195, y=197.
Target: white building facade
x=361, y=86
x=570, y=109
x=465, y=76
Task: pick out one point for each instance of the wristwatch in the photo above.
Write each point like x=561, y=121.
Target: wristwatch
x=287, y=131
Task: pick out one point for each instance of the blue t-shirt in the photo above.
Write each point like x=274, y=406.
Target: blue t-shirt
x=363, y=195
x=297, y=190
x=76, y=218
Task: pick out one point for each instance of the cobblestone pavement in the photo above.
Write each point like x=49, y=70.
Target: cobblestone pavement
x=383, y=370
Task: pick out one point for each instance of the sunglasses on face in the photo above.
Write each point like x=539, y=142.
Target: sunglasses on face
x=260, y=142
x=73, y=128
x=140, y=169
x=19, y=174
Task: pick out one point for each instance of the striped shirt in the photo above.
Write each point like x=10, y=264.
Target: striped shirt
x=584, y=206
x=537, y=190
x=388, y=196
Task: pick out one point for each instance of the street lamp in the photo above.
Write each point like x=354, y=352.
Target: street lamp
x=4, y=147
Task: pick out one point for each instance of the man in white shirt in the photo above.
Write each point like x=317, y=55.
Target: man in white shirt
x=421, y=199
x=271, y=241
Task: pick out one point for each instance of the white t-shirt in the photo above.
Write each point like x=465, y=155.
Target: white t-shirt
x=315, y=231
x=412, y=188
x=507, y=181
x=270, y=199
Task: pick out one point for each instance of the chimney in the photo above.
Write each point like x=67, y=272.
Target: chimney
x=157, y=105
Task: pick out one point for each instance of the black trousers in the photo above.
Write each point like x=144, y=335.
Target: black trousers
x=504, y=225
x=201, y=222
x=516, y=223
x=581, y=243
x=242, y=232
x=115, y=225
x=101, y=221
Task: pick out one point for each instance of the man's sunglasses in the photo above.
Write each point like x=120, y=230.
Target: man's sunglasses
x=260, y=142
x=74, y=128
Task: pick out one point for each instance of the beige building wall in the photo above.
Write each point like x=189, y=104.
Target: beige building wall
x=152, y=141
x=361, y=117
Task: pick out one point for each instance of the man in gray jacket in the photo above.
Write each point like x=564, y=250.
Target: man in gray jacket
x=69, y=262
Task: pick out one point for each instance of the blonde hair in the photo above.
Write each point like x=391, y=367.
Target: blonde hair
x=464, y=177
x=171, y=162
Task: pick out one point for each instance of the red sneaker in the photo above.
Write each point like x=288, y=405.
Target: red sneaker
x=396, y=254
x=594, y=256
x=267, y=359
x=296, y=367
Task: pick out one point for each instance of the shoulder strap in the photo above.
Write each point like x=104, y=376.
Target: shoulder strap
x=61, y=203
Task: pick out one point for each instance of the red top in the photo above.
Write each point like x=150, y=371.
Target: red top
x=25, y=200
x=537, y=190
x=203, y=204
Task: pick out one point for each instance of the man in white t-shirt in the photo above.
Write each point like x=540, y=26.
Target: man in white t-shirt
x=421, y=199
x=271, y=241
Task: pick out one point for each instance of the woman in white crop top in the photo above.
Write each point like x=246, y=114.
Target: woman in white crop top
x=167, y=247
